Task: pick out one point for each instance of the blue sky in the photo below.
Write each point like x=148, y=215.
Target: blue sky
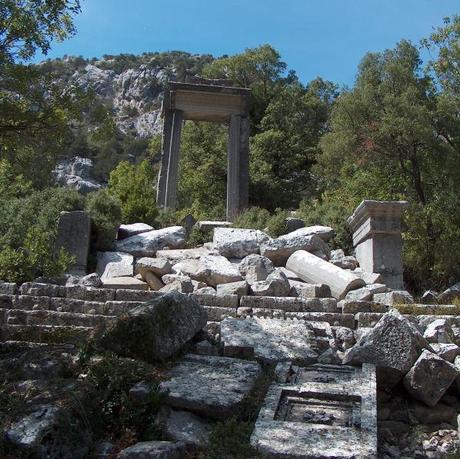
x=316, y=38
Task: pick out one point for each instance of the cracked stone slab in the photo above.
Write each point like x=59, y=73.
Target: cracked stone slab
x=209, y=385
x=320, y=411
x=269, y=340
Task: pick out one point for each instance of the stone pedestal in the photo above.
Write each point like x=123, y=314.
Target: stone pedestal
x=376, y=227
x=73, y=235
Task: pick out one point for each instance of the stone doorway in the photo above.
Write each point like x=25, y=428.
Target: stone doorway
x=206, y=102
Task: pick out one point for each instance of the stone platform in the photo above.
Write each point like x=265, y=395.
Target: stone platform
x=321, y=411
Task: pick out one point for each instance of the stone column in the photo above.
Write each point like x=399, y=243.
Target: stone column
x=233, y=167
x=376, y=227
x=73, y=235
x=165, y=143
x=237, y=165
x=173, y=162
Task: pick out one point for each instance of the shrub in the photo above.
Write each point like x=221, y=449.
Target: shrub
x=254, y=217
x=29, y=226
x=133, y=185
x=105, y=211
x=277, y=224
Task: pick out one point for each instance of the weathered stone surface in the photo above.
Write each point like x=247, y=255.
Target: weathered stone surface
x=450, y=295
x=114, y=264
x=165, y=323
x=219, y=313
x=394, y=297
x=184, y=426
x=8, y=288
x=147, y=244
x=239, y=288
x=345, y=338
x=209, y=385
x=130, y=295
x=280, y=249
x=154, y=450
x=439, y=331
x=186, y=267
x=152, y=280
x=294, y=223
x=327, y=411
x=393, y=345
x=255, y=268
x=376, y=227
x=336, y=319
x=73, y=235
x=447, y=351
x=367, y=292
x=429, y=378
x=368, y=278
x=124, y=283
x=183, y=284
x=290, y=303
x=205, y=291
x=158, y=266
x=324, y=232
x=313, y=269
x=276, y=284
x=269, y=340
x=39, y=289
x=91, y=280
x=429, y=297
x=237, y=242
x=215, y=269
x=304, y=290
x=90, y=293
x=132, y=229
x=338, y=258
x=224, y=301
x=355, y=306
x=175, y=256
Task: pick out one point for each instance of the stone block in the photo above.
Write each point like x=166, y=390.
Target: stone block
x=8, y=288
x=239, y=288
x=29, y=302
x=209, y=385
x=269, y=340
x=223, y=301
x=343, y=320
x=39, y=289
x=135, y=295
x=132, y=229
x=429, y=378
x=290, y=303
x=320, y=411
x=114, y=264
x=158, y=266
x=124, y=283
x=90, y=293
x=376, y=227
x=304, y=290
x=394, y=297
x=218, y=313
x=368, y=319
x=355, y=306
x=73, y=235
x=313, y=269
x=237, y=242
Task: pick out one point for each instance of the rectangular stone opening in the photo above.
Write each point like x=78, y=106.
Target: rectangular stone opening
x=323, y=374
x=324, y=409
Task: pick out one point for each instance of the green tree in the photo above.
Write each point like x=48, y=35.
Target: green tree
x=286, y=147
x=384, y=144
x=133, y=185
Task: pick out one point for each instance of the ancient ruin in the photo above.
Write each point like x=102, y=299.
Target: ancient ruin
x=202, y=102
x=324, y=352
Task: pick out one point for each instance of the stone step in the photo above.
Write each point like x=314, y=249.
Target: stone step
x=290, y=304
x=343, y=320
x=221, y=301
x=45, y=334
x=46, y=317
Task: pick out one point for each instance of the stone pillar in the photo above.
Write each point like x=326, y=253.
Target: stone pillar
x=237, y=165
x=173, y=162
x=163, y=174
x=376, y=227
x=233, y=167
x=315, y=270
x=73, y=235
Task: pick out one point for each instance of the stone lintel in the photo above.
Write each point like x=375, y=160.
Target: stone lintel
x=201, y=102
x=376, y=217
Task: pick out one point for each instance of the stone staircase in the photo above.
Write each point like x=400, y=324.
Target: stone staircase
x=37, y=312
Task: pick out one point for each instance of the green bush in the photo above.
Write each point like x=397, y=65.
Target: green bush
x=254, y=217
x=29, y=226
x=105, y=211
x=133, y=185
x=277, y=224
